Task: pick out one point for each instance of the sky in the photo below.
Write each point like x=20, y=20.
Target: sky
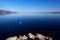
x=30, y=5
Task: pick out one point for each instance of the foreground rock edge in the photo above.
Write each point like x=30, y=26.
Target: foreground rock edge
x=30, y=36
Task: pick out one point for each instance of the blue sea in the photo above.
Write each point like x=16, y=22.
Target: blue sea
x=24, y=23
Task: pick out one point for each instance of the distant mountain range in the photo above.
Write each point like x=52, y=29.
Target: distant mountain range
x=3, y=12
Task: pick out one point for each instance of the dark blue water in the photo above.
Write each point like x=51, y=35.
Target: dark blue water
x=47, y=24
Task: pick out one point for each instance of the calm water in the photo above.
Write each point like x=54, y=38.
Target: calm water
x=16, y=24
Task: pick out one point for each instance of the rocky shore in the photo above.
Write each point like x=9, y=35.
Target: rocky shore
x=30, y=36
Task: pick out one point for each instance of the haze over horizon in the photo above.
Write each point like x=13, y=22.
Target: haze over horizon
x=31, y=5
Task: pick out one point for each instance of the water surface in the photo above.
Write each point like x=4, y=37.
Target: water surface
x=47, y=24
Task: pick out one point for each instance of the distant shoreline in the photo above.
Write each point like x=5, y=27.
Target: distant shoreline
x=3, y=12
